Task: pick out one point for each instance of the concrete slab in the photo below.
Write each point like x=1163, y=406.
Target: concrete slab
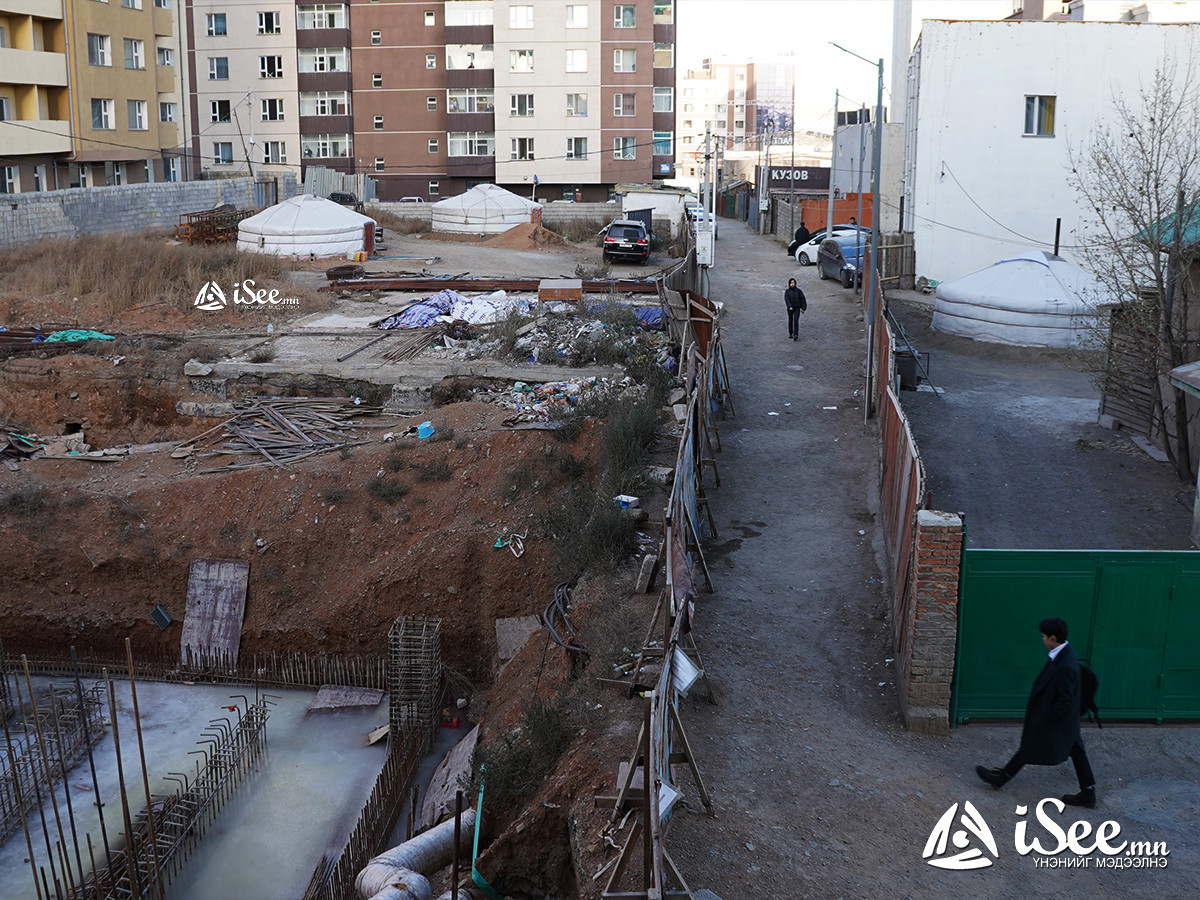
x=338, y=696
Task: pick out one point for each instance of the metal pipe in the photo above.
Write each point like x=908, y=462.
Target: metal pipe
x=400, y=873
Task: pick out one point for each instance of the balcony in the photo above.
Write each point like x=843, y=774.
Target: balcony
x=51, y=136
x=314, y=38
x=326, y=125
x=33, y=67
x=470, y=78
x=471, y=121
x=471, y=167
x=323, y=81
x=468, y=34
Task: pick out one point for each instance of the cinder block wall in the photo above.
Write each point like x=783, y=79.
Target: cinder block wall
x=75, y=212
x=929, y=631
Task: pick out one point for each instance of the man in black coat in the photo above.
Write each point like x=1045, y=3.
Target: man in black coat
x=793, y=299
x=1051, y=732
x=802, y=236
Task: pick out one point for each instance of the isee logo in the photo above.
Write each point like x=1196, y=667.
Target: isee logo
x=212, y=298
x=1079, y=838
x=944, y=832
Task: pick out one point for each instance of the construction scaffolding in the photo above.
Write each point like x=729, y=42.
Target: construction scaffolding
x=414, y=675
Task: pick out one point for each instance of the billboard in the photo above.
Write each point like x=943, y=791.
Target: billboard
x=804, y=178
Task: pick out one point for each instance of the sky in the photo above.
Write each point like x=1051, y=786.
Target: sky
x=744, y=28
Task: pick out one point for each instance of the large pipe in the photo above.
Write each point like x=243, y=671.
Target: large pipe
x=399, y=873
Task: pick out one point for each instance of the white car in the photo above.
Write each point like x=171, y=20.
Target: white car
x=806, y=254
x=701, y=216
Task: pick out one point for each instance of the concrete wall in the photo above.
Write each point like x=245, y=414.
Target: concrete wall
x=929, y=630
x=133, y=207
x=555, y=215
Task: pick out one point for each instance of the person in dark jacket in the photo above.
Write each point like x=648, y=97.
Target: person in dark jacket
x=1051, y=731
x=793, y=298
x=802, y=236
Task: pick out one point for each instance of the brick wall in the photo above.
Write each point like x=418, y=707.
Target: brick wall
x=75, y=212
x=929, y=629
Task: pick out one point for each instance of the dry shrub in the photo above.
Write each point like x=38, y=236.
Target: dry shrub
x=579, y=230
x=128, y=270
x=398, y=224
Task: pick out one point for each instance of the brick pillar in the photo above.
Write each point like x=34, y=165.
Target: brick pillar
x=929, y=634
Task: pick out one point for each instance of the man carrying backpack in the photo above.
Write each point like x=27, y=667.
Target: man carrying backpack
x=1051, y=732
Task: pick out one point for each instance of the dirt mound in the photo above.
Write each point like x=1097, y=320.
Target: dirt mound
x=526, y=236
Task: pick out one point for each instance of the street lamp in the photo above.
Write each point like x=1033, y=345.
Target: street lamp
x=873, y=280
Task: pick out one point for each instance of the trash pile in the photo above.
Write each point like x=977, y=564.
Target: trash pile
x=546, y=403
x=15, y=339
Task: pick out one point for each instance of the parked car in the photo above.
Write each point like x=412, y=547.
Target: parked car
x=412, y=200
x=700, y=217
x=692, y=209
x=627, y=238
x=806, y=253
x=345, y=198
x=840, y=257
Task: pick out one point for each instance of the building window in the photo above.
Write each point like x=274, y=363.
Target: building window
x=102, y=115
x=218, y=68
x=275, y=152
x=433, y=145
x=625, y=60
x=136, y=110
x=664, y=13
x=576, y=15
x=117, y=175
x=325, y=146
x=380, y=165
x=131, y=4
x=323, y=59
x=170, y=169
x=576, y=104
x=168, y=112
x=324, y=103
x=576, y=60
x=624, y=104
x=39, y=177
x=624, y=148
x=1039, y=116
x=664, y=99
x=521, y=148
x=8, y=179
x=216, y=24
x=218, y=111
x=135, y=54
x=576, y=148
x=321, y=15
x=431, y=104
x=664, y=56
x=270, y=67
x=624, y=17
x=269, y=23
x=467, y=14
x=520, y=17
x=162, y=4
x=434, y=189
x=378, y=123
x=77, y=174
x=431, y=18
x=223, y=153
x=272, y=109
x=5, y=115
x=377, y=80
x=99, y=52
x=376, y=38
x=664, y=143
x=469, y=100
x=166, y=56
x=430, y=60
x=470, y=143
x=520, y=105
x=520, y=60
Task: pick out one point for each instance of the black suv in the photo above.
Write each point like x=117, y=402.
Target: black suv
x=627, y=238
x=345, y=198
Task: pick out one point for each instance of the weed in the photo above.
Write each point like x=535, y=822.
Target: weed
x=578, y=230
x=520, y=479
x=262, y=354
x=389, y=490
x=203, y=351
x=396, y=461
x=626, y=439
x=336, y=494
x=26, y=500
x=345, y=452
x=515, y=764
x=573, y=468
x=183, y=548
x=613, y=313
x=373, y=514
x=398, y=224
x=445, y=433
x=229, y=531
x=461, y=443
x=505, y=331
x=602, y=269
x=435, y=471
x=589, y=531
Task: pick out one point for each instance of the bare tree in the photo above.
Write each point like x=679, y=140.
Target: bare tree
x=1139, y=175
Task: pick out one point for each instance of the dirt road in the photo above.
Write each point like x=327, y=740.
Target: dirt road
x=819, y=791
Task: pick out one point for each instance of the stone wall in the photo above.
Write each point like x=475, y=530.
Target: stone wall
x=131, y=207
x=929, y=633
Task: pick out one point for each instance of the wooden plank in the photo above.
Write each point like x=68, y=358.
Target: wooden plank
x=216, y=604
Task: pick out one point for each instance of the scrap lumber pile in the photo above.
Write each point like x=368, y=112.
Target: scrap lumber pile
x=411, y=344
x=279, y=431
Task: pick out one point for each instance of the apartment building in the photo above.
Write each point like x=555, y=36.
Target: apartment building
x=35, y=126
x=124, y=94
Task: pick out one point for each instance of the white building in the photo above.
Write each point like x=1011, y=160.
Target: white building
x=993, y=108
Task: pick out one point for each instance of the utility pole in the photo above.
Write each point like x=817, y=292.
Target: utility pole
x=792, y=173
x=832, y=165
x=862, y=152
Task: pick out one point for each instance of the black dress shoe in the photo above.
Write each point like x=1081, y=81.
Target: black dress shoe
x=997, y=778
x=1086, y=797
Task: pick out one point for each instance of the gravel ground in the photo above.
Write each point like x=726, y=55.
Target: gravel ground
x=819, y=791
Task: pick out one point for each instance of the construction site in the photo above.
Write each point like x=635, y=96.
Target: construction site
x=268, y=561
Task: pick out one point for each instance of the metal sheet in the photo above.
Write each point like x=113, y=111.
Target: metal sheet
x=216, y=603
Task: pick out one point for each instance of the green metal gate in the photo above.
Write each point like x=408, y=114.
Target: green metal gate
x=1134, y=617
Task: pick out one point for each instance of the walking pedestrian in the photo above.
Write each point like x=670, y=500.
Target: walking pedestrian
x=1051, y=731
x=793, y=298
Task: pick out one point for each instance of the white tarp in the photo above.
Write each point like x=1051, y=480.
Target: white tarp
x=1035, y=299
x=484, y=209
x=304, y=225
